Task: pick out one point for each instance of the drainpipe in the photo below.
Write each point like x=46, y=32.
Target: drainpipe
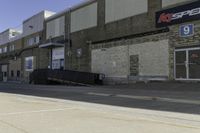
x=128, y=54
x=51, y=56
x=69, y=39
x=64, y=48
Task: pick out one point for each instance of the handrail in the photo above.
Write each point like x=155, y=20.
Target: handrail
x=45, y=76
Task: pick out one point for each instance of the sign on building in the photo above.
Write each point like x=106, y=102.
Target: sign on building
x=179, y=14
x=186, y=30
x=29, y=63
x=58, y=53
x=79, y=52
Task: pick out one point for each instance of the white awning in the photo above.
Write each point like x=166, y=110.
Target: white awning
x=51, y=44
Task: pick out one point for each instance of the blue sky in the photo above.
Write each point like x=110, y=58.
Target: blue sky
x=13, y=12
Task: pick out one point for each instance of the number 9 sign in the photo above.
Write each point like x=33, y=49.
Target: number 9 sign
x=186, y=30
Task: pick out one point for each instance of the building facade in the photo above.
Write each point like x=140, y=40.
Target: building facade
x=20, y=53
x=127, y=40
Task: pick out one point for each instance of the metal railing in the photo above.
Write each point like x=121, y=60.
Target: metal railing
x=47, y=76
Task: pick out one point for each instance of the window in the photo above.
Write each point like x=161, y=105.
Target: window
x=12, y=73
x=4, y=50
x=18, y=73
x=12, y=47
x=13, y=34
x=30, y=41
x=37, y=39
x=33, y=40
x=5, y=74
x=29, y=63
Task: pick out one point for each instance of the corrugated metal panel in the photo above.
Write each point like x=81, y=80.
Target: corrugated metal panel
x=120, y=9
x=84, y=18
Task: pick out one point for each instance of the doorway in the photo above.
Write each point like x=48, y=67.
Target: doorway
x=4, y=69
x=187, y=64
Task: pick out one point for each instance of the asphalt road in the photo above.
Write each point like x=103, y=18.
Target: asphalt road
x=173, y=97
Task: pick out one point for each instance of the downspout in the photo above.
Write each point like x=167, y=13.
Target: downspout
x=69, y=39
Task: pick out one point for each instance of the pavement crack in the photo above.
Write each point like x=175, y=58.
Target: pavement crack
x=13, y=126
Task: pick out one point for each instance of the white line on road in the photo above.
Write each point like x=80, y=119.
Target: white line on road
x=98, y=94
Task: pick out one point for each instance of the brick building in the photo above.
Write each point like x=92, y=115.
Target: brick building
x=127, y=40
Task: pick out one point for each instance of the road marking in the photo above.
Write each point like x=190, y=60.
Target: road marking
x=197, y=102
x=99, y=94
x=148, y=98
x=135, y=97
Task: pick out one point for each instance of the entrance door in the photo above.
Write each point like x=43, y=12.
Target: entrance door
x=4, y=72
x=187, y=64
x=134, y=65
x=194, y=64
x=181, y=65
x=58, y=64
x=5, y=78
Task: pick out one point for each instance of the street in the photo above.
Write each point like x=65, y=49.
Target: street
x=174, y=97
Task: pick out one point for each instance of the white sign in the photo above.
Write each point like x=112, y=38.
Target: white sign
x=79, y=52
x=29, y=63
x=58, y=53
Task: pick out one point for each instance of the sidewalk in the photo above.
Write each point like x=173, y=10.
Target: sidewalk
x=30, y=114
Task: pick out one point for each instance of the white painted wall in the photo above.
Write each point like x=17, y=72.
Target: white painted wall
x=55, y=27
x=166, y=3
x=153, y=58
x=4, y=37
x=83, y=18
x=120, y=9
x=114, y=62
x=7, y=36
x=36, y=22
x=48, y=14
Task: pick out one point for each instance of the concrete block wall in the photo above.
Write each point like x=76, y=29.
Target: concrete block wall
x=113, y=58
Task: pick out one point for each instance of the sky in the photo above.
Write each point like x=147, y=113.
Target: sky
x=14, y=12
